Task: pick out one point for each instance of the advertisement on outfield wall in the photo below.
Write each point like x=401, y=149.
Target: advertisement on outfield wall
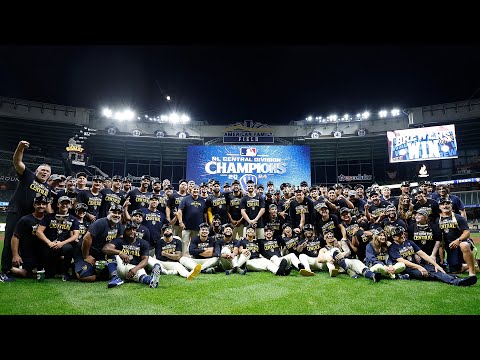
x=420, y=144
x=261, y=163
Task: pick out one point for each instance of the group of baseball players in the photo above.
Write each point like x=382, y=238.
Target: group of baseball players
x=113, y=231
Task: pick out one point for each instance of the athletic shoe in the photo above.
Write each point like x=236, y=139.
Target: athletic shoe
x=244, y=271
x=355, y=276
x=288, y=270
x=231, y=271
x=403, y=277
x=6, y=278
x=155, y=276
x=301, y=266
x=208, y=271
x=114, y=281
x=196, y=270
x=467, y=281
x=333, y=271
x=281, y=268
x=305, y=272
x=66, y=277
x=376, y=277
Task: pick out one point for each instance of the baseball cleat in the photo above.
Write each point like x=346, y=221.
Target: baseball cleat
x=155, y=276
x=333, y=271
x=196, y=270
x=305, y=272
x=376, y=277
x=115, y=281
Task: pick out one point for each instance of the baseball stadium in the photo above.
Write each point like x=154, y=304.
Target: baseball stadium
x=163, y=164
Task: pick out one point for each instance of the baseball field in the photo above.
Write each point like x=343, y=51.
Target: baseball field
x=252, y=294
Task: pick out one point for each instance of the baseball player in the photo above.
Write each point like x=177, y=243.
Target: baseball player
x=252, y=209
x=25, y=244
x=226, y=249
x=168, y=252
x=249, y=251
x=58, y=233
x=404, y=250
x=131, y=254
x=335, y=254
x=378, y=260
x=98, y=234
x=308, y=248
x=21, y=203
x=456, y=237
x=201, y=251
x=270, y=248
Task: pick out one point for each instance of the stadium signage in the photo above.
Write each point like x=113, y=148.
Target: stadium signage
x=248, y=132
x=358, y=177
x=260, y=163
x=74, y=147
x=420, y=144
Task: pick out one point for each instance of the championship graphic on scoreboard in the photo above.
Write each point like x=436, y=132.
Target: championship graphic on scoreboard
x=261, y=163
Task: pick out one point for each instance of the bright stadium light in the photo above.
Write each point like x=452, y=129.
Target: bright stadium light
x=382, y=114
x=395, y=112
x=365, y=115
x=107, y=112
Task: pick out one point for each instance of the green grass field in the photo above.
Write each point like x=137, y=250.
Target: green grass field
x=253, y=294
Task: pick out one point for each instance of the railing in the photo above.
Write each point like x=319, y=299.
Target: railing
x=469, y=198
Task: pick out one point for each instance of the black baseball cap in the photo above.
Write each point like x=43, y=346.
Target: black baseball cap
x=81, y=206
x=226, y=185
x=166, y=226
x=250, y=181
x=64, y=198
x=81, y=173
x=40, y=198
x=131, y=225
x=422, y=211
x=359, y=186
x=137, y=212
x=97, y=177
x=145, y=177
x=303, y=183
x=117, y=177
x=116, y=207
x=270, y=182
x=235, y=182
x=405, y=183
x=444, y=201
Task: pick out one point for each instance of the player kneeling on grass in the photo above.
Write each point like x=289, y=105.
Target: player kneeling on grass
x=335, y=254
x=168, y=252
x=131, y=254
x=404, y=250
x=378, y=260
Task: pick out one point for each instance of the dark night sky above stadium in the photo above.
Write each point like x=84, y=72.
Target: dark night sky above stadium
x=223, y=84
